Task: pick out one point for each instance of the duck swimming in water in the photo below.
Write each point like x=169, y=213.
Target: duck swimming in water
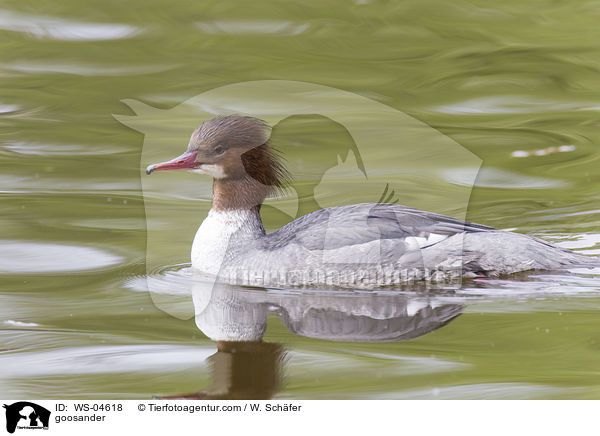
x=361, y=244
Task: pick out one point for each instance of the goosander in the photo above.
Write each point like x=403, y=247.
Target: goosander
x=367, y=244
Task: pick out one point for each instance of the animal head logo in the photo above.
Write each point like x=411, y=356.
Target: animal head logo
x=26, y=415
x=386, y=155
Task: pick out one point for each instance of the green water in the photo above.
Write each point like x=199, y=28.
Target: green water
x=515, y=86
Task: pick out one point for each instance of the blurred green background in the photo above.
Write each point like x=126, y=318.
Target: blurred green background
x=515, y=83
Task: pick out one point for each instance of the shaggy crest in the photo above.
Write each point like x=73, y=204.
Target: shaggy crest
x=264, y=164
x=261, y=162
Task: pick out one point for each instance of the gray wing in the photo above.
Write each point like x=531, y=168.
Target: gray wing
x=341, y=226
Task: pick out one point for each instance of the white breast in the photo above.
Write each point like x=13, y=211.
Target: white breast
x=220, y=231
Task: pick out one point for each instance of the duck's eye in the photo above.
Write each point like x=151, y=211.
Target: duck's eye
x=218, y=149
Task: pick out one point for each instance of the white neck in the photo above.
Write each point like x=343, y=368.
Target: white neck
x=220, y=233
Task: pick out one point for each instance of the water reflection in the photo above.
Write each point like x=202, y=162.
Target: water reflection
x=58, y=28
x=252, y=27
x=31, y=257
x=242, y=371
x=226, y=312
x=246, y=367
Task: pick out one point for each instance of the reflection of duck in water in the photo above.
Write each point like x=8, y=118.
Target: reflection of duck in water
x=242, y=371
x=232, y=313
x=362, y=244
x=245, y=367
